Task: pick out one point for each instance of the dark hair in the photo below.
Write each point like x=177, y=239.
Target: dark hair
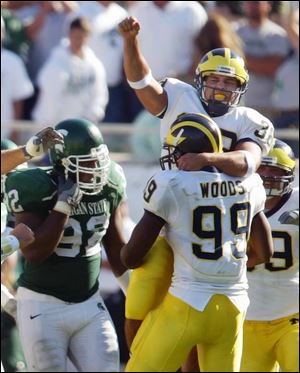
x=81, y=23
x=218, y=33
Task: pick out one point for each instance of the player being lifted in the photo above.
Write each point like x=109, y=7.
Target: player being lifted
x=221, y=80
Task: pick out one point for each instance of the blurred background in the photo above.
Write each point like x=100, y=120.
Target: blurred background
x=62, y=59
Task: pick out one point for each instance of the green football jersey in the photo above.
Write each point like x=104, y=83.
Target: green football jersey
x=71, y=272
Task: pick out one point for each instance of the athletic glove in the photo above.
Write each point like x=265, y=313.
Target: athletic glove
x=69, y=195
x=42, y=141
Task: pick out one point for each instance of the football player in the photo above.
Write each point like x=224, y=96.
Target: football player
x=71, y=207
x=207, y=218
x=221, y=80
x=272, y=319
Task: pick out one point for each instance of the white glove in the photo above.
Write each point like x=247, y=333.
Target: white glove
x=42, y=141
x=68, y=195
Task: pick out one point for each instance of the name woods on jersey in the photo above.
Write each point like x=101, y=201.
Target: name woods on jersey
x=222, y=189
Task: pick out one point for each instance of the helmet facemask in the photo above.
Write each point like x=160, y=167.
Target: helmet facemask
x=98, y=173
x=276, y=185
x=221, y=62
x=277, y=169
x=170, y=158
x=217, y=107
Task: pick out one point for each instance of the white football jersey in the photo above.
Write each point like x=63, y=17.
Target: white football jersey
x=274, y=287
x=240, y=123
x=208, y=217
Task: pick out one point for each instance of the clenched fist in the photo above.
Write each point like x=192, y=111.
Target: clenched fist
x=24, y=234
x=129, y=28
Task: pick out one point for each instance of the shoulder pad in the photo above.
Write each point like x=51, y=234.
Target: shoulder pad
x=31, y=190
x=116, y=185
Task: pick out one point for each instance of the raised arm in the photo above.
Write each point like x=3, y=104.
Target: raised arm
x=138, y=73
x=35, y=146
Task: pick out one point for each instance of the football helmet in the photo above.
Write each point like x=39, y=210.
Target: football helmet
x=221, y=61
x=281, y=156
x=190, y=133
x=83, y=154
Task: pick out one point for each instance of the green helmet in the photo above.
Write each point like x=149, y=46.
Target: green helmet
x=7, y=144
x=83, y=144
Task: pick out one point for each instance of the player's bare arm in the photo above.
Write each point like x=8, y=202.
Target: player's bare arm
x=152, y=96
x=141, y=240
x=35, y=146
x=113, y=241
x=47, y=231
x=233, y=163
x=261, y=241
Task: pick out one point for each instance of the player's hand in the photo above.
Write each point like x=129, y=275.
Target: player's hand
x=191, y=162
x=68, y=191
x=290, y=217
x=129, y=28
x=42, y=141
x=24, y=235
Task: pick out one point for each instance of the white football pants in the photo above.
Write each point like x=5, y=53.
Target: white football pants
x=52, y=330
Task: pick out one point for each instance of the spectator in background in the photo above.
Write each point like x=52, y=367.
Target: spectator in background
x=72, y=83
x=107, y=44
x=15, y=88
x=145, y=138
x=231, y=10
x=266, y=46
x=168, y=29
x=285, y=95
x=216, y=33
x=16, y=39
x=45, y=24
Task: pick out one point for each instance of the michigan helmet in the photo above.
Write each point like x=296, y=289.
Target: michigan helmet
x=225, y=62
x=190, y=133
x=83, y=154
x=282, y=157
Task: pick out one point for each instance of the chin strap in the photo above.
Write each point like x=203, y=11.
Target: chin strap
x=216, y=109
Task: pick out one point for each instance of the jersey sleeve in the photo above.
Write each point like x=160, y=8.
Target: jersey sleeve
x=30, y=190
x=258, y=129
x=174, y=89
x=158, y=196
x=117, y=183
